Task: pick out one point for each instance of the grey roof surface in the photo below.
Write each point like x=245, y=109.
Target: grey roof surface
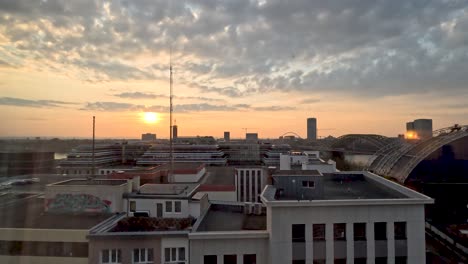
x=230, y=218
x=297, y=173
x=219, y=176
x=91, y=182
x=29, y=213
x=345, y=187
x=165, y=190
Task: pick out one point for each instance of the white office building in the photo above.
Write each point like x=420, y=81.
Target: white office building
x=250, y=182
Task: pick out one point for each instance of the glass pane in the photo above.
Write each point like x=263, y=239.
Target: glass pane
x=150, y=254
x=177, y=206
x=119, y=256
x=181, y=253
x=173, y=254
x=114, y=255
x=167, y=254
x=169, y=206
x=105, y=256
x=136, y=255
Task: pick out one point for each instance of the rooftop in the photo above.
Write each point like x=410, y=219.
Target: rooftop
x=150, y=190
x=219, y=176
x=81, y=182
x=346, y=186
x=29, y=213
x=297, y=173
x=223, y=217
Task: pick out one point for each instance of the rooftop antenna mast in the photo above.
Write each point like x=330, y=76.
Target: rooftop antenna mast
x=94, y=145
x=171, y=150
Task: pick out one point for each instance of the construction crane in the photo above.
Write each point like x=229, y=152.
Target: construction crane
x=247, y=128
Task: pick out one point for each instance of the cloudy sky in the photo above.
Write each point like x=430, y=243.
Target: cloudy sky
x=358, y=66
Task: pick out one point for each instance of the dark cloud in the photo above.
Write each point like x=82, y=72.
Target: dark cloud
x=179, y=108
x=242, y=48
x=309, y=101
x=32, y=103
x=140, y=95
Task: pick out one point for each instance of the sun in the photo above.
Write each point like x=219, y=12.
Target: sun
x=150, y=117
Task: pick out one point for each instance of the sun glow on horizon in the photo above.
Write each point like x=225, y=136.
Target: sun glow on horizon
x=150, y=117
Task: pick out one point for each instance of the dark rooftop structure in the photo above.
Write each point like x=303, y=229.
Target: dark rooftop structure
x=29, y=213
x=219, y=176
x=227, y=217
x=297, y=173
x=91, y=182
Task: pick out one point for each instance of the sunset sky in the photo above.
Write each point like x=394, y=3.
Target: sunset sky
x=357, y=66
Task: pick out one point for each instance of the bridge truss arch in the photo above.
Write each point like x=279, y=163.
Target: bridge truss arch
x=377, y=141
x=400, y=159
x=291, y=133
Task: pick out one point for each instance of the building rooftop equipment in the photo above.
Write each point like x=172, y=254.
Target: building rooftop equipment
x=177, y=191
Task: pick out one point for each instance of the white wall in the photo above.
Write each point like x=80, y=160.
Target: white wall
x=250, y=195
x=150, y=205
x=322, y=168
x=282, y=218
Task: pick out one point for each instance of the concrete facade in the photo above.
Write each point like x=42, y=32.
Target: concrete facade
x=250, y=183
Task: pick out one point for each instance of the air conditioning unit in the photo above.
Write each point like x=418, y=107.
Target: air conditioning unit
x=248, y=208
x=258, y=209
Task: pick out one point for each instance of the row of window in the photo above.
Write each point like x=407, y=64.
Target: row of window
x=230, y=259
x=339, y=231
x=378, y=260
x=171, y=206
x=144, y=256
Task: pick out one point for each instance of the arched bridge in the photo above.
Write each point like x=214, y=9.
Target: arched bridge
x=398, y=159
x=291, y=133
x=377, y=141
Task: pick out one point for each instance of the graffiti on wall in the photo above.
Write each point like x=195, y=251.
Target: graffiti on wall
x=78, y=203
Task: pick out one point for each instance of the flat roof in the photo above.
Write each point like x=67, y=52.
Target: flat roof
x=29, y=213
x=219, y=176
x=297, y=173
x=165, y=190
x=90, y=182
x=224, y=217
x=352, y=186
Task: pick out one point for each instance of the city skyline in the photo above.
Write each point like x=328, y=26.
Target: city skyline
x=356, y=68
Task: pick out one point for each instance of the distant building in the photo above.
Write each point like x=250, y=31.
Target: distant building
x=311, y=128
x=419, y=129
x=148, y=137
x=251, y=136
x=26, y=162
x=183, y=153
x=307, y=160
x=227, y=135
x=250, y=182
x=174, y=131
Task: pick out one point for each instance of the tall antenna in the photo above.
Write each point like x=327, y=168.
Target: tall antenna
x=171, y=150
x=94, y=136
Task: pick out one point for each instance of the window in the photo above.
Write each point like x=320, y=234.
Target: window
x=359, y=231
x=298, y=233
x=132, y=206
x=178, y=206
x=319, y=261
x=339, y=261
x=250, y=259
x=143, y=255
x=230, y=259
x=210, y=259
x=111, y=256
x=302, y=261
x=168, y=206
x=380, y=231
x=401, y=260
x=319, y=232
x=400, y=230
x=381, y=260
x=174, y=255
x=339, y=231
x=360, y=261
x=308, y=184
